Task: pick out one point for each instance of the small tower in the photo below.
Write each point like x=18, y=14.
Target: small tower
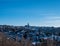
x=27, y=25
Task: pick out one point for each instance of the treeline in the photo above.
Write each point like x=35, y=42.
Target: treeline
x=10, y=28
x=4, y=41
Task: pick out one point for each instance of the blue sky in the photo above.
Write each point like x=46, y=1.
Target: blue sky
x=36, y=12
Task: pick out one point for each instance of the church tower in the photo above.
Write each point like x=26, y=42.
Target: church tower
x=27, y=25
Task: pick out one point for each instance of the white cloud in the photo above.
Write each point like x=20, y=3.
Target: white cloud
x=53, y=18
x=51, y=21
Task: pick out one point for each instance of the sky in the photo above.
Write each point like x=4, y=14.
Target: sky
x=34, y=12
